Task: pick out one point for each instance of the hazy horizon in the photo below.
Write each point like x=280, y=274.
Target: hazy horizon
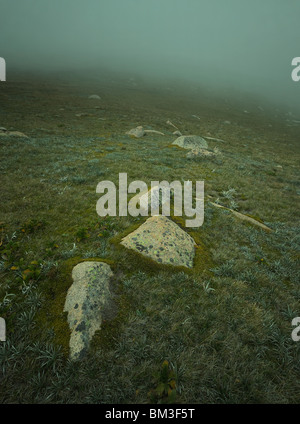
x=248, y=46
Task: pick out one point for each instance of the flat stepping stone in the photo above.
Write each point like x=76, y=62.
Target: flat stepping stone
x=84, y=303
x=162, y=240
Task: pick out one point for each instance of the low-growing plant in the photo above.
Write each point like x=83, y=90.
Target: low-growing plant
x=164, y=382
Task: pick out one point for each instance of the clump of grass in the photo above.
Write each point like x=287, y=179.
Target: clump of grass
x=164, y=382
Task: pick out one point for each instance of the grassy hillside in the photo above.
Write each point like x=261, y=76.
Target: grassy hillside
x=218, y=333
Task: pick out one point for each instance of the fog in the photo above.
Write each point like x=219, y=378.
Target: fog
x=234, y=44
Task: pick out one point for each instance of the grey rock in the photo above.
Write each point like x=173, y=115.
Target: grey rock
x=85, y=301
x=95, y=96
x=200, y=153
x=137, y=132
x=12, y=134
x=194, y=142
x=162, y=240
x=203, y=153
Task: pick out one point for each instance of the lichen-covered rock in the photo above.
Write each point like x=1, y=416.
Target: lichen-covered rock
x=162, y=240
x=194, y=142
x=84, y=303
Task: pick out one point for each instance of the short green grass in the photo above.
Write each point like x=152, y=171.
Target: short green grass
x=219, y=333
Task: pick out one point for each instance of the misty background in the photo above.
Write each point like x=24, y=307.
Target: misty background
x=221, y=44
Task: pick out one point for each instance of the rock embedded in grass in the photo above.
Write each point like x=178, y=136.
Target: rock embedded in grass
x=5, y=133
x=85, y=301
x=137, y=132
x=194, y=142
x=162, y=240
x=95, y=97
x=202, y=153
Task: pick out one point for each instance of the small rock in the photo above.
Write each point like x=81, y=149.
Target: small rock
x=79, y=115
x=12, y=134
x=200, y=153
x=84, y=303
x=193, y=142
x=137, y=132
x=95, y=96
x=163, y=241
x=217, y=152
